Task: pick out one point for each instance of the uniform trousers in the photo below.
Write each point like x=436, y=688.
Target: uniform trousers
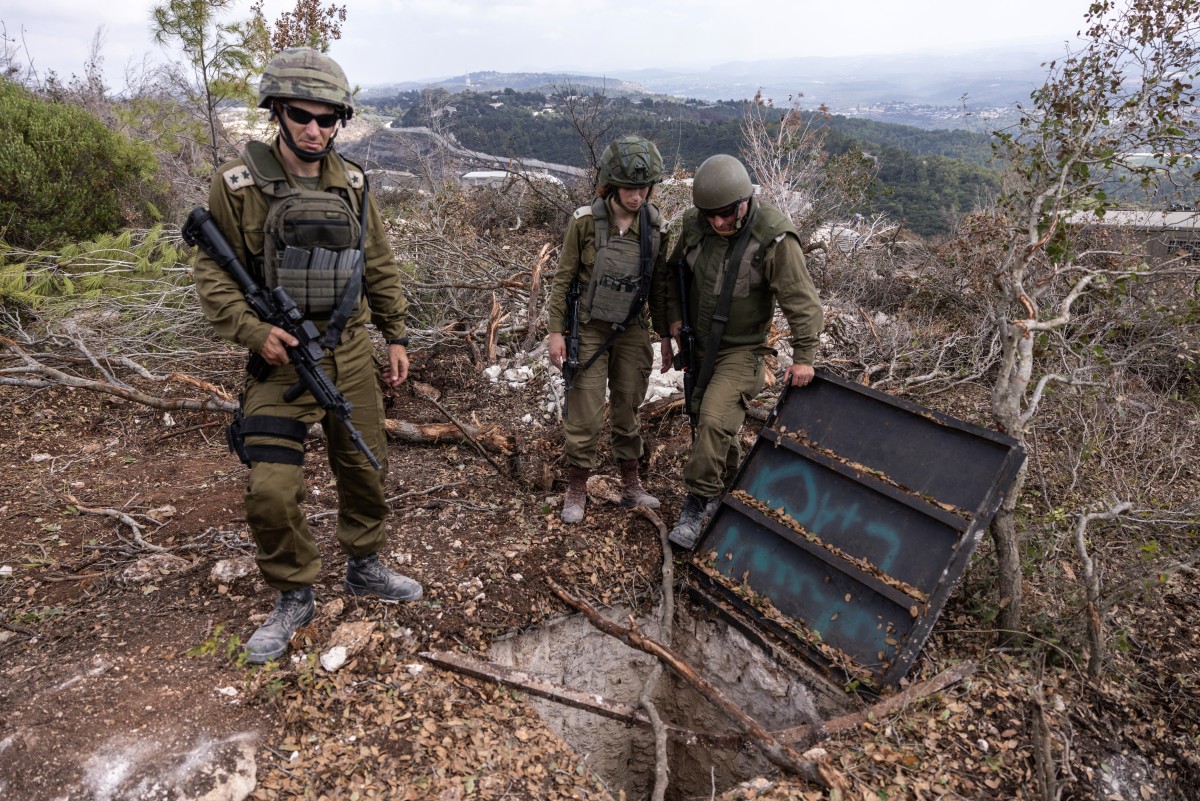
x=737, y=377
x=623, y=373
x=287, y=554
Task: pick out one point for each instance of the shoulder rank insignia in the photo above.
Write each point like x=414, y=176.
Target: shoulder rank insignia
x=583, y=211
x=238, y=177
x=355, y=178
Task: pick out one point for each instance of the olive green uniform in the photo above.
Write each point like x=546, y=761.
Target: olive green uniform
x=287, y=554
x=772, y=269
x=624, y=370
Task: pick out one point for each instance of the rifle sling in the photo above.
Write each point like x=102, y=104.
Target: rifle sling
x=353, y=288
x=643, y=288
x=733, y=262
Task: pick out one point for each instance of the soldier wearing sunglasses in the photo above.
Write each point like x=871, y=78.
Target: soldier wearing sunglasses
x=299, y=217
x=739, y=257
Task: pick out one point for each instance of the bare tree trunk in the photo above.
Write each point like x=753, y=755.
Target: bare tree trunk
x=1008, y=558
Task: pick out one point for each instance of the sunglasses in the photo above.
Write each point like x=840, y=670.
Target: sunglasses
x=724, y=211
x=302, y=117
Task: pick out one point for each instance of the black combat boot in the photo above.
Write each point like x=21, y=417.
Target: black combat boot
x=293, y=609
x=366, y=575
x=632, y=491
x=687, y=530
x=576, y=498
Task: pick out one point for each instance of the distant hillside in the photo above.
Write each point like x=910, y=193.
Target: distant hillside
x=973, y=89
x=544, y=82
x=926, y=180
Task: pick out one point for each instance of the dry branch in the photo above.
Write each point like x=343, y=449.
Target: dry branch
x=780, y=754
x=882, y=709
x=588, y=702
x=121, y=517
x=474, y=442
x=1091, y=584
x=38, y=374
x=441, y=433
x=666, y=631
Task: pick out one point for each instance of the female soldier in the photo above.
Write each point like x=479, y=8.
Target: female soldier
x=610, y=252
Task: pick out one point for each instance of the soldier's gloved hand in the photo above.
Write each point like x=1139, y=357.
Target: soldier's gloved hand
x=558, y=349
x=274, y=350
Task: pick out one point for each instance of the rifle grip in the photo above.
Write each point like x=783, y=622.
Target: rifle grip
x=294, y=391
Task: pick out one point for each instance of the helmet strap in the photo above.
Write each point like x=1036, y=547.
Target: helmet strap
x=745, y=218
x=616, y=196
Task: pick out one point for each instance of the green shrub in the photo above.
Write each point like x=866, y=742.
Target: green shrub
x=63, y=175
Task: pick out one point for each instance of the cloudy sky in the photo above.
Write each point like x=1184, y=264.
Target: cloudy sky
x=404, y=40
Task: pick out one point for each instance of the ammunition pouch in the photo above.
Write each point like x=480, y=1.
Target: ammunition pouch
x=316, y=278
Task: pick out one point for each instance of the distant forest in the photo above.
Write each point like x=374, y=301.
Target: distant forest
x=927, y=179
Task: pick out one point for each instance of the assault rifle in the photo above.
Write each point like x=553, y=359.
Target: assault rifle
x=571, y=365
x=278, y=309
x=685, y=359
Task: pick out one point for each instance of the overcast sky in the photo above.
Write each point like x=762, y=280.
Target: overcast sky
x=407, y=40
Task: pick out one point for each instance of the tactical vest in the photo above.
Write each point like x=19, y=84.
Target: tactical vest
x=311, y=239
x=617, y=274
x=753, y=304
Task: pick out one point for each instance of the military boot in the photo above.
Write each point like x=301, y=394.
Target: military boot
x=366, y=575
x=576, y=498
x=293, y=609
x=632, y=491
x=687, y=530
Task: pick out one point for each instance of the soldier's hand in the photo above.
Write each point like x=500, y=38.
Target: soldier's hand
x=799, y=375
x=558, y=349
x=667, y=353
x=397, y=369
x=274, y=350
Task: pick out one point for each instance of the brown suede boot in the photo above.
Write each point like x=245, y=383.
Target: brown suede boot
x=632, y=491
x=576, y=498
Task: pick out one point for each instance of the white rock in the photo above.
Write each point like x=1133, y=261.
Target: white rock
x=493, y=372
x=228, y=571
x=6, y=571
x=334, y=658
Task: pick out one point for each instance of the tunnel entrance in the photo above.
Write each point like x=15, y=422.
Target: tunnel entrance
x=573, y=653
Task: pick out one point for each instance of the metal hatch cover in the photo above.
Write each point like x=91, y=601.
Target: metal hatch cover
x=850, y=522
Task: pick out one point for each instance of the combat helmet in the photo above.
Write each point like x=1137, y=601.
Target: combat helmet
x=631, y=161
x=719, y=182
x=302, y=73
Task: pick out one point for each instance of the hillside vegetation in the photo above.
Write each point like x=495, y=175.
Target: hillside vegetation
x=926, y=179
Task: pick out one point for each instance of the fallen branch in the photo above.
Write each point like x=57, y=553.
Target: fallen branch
x=780, y=754
x=121, y=517
x=884, y=708
x=1043, y=752
x=13, y=627
x=49, y=376
x=588, y=702
x=439, y=433
x=463, y=429
x=666, y=631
